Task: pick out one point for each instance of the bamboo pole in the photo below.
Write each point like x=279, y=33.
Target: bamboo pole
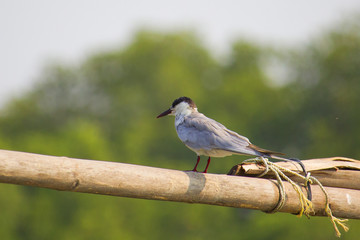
x=128, y=180
x=332, y=172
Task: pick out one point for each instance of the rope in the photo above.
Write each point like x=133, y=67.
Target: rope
x=282, y=193
x=334, y=220
x=305, y=203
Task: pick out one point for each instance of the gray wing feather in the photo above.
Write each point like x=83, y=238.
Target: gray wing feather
x=200, y=132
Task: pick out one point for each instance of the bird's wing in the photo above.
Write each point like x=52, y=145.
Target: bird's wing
x=200, y=132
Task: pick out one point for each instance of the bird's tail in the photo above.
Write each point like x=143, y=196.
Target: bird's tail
x=264, y=151
x=275, y=155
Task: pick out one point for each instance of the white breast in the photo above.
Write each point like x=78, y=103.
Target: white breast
x=179, y=119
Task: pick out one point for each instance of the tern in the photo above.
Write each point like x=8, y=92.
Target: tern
x=208, y=137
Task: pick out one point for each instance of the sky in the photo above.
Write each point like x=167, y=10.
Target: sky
x=36, y=33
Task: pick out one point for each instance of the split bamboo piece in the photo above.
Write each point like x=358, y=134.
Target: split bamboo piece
x=332, y=172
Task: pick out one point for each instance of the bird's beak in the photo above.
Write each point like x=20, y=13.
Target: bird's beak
x=167, y=112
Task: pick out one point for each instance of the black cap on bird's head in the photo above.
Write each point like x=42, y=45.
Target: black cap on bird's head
x=184, y=99
x=177, y=102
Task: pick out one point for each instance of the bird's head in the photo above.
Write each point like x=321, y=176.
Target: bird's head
x=180, y=106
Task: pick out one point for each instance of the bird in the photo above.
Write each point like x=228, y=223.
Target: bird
x=208, y=137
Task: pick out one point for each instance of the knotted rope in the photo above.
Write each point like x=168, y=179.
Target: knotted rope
x=305, y=203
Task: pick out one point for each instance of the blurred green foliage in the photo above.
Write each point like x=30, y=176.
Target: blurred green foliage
x=105, y=109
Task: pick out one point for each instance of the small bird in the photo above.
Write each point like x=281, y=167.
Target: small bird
x=206, y=136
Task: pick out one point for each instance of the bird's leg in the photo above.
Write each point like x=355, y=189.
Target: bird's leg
x=197, y=163
x=207, y=165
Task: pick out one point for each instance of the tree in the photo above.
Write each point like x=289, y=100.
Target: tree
x=106, y=107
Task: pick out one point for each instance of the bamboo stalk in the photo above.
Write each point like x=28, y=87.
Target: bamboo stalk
x=128, y=180
x=332, y=172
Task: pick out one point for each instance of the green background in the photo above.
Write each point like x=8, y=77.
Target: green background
x=302, y=101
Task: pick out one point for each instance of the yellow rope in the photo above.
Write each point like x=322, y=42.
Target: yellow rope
x=305, y=203
x=335, y=221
